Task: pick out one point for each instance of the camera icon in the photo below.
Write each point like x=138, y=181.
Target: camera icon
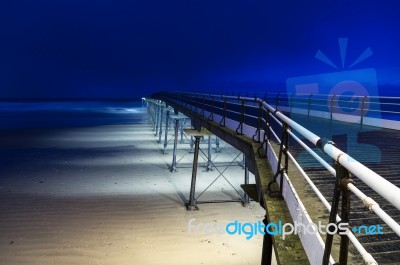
x=347, y=96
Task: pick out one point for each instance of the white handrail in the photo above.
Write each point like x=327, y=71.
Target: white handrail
x=383, y=187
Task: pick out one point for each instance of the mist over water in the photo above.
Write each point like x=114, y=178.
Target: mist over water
x=63, y=114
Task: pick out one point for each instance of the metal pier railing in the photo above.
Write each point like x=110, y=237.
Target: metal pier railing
x=257, y=119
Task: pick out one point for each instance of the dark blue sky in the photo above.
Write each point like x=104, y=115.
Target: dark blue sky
x=80, y=48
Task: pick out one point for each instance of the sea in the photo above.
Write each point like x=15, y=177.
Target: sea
x=44, y=114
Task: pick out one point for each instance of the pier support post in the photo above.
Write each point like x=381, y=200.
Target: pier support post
x=191, y=205
x=217, y=150
x=242, y=163
x=191, y=144
x=209, y=164
x=246, y=198
x=166, y=132
x=178, y=119
x=173, y=166
x=161, y=122
x=266, y=258
x=197, y=135
x=158, y=115
x=181, y=127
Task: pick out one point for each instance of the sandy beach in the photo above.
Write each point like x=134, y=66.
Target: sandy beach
x=104, y=195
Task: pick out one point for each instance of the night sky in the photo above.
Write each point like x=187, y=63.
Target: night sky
x=80, y=48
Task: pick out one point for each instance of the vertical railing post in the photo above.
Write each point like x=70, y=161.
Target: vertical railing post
x=222, y=122
x=309, y=105
x=268, y=124
x=332, y=219
x=267, y=134
x=285, y=152
x=362, y=110
x=211, y=116
x=332, y=105
x=203, y=105
x=280, y=171
x=242, y=117
x=259, y=124
x=342, y=180
x=344, y=240
x=239, y=129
